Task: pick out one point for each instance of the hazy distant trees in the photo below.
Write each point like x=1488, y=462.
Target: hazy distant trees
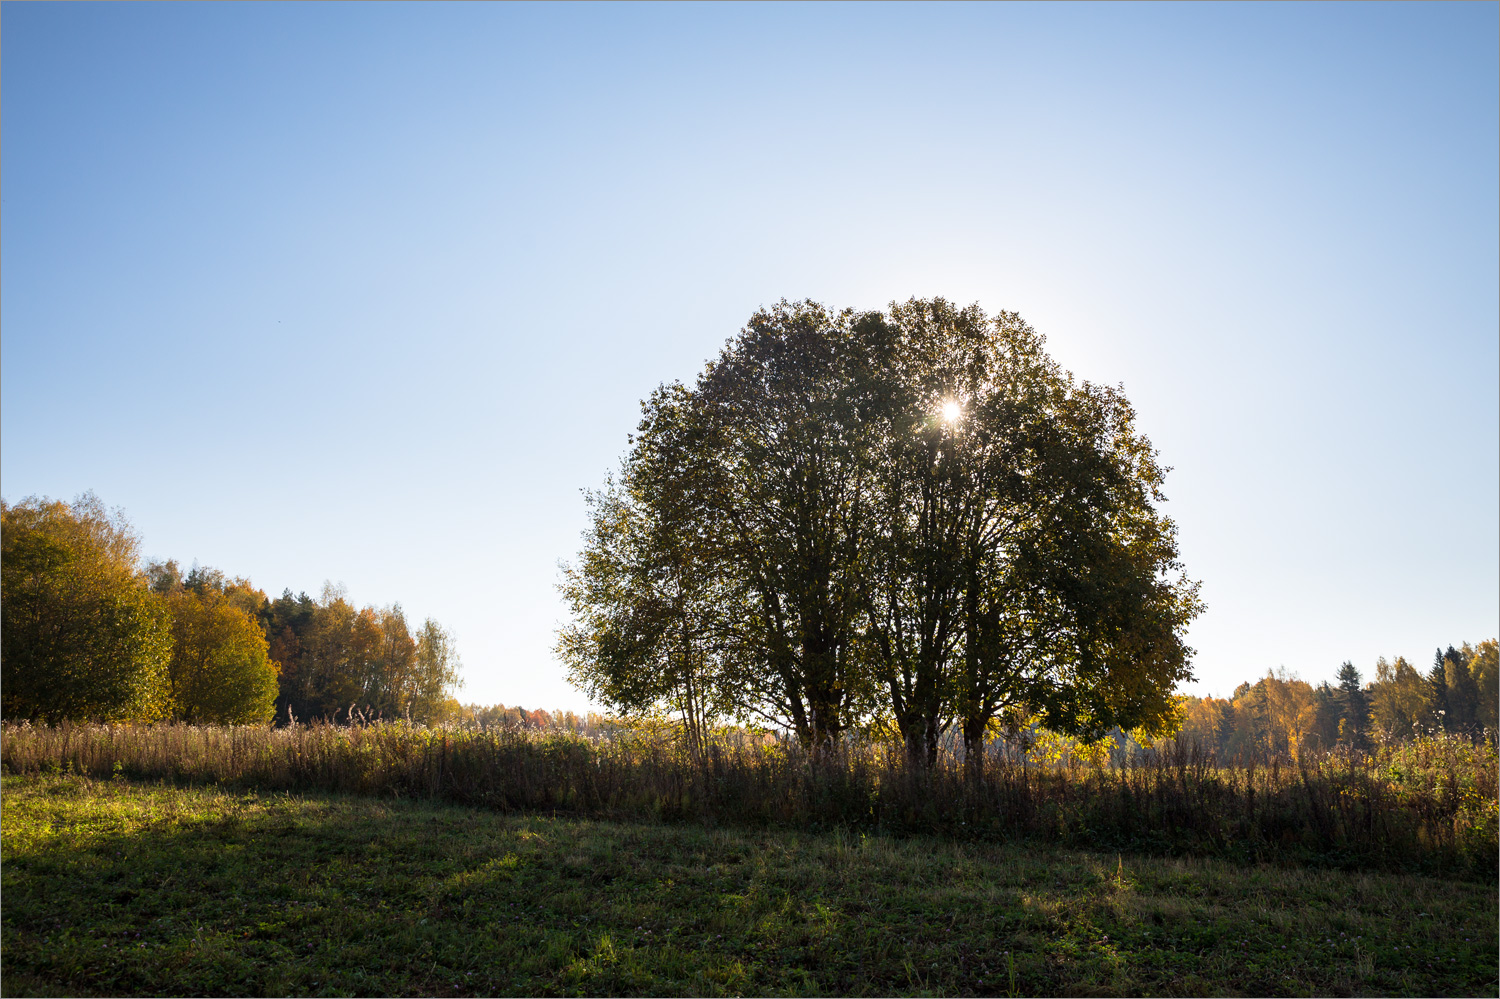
x=499, y=716
x=1484, y=666
x=1282, y=714
x=1399, y=700
x=335, y=657
x=909, y=518
x=88, y=635
x=1457, y=695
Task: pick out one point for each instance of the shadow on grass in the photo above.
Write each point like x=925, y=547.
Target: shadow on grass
x=111, y=887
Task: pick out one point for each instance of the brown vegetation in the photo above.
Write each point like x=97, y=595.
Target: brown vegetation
x=1429, y=804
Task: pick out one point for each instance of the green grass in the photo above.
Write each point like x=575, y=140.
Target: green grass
x=116, y=887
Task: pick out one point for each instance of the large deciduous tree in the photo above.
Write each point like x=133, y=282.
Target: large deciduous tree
x=760, y=466
x=912, y=515
x=1022, y=554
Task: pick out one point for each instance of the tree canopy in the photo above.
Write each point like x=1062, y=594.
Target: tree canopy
x=82, y=637
x=221, y=671
x=910, y=518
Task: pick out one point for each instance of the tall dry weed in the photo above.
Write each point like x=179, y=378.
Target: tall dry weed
x=1427, y=805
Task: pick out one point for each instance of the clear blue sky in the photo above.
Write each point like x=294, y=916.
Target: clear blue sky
x=368, y=293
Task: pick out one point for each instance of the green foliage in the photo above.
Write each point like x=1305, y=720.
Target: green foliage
x=118, y=889
x=82, y=636
x=645, y=617
x=1458, y=694
x=1461, y=693
x=1354, y=705
x=893, y=520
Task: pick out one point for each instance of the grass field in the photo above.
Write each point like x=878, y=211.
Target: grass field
x=1429, y=806
x=119, y=887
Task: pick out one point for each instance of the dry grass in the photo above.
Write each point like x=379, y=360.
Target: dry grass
x=1426, y=806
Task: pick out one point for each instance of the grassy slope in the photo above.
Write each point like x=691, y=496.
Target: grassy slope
x=114, y=887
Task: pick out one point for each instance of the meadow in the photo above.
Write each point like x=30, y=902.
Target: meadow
x=394, y=859
x=1424, y=806
x=116, y=887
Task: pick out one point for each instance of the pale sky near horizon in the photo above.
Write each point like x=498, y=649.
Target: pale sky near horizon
x=368, y=293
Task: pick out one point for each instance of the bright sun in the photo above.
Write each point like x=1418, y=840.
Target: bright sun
x=952, y=411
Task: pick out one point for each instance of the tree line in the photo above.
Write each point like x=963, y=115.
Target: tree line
x=90, y=633
x=1281, y=714
x=907, y=521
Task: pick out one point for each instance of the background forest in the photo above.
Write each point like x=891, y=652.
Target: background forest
x=90, y=634
x=1282, y=715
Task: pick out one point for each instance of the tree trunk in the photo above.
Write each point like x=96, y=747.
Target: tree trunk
x=974, y=747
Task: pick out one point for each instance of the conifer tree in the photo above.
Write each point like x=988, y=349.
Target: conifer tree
x=1437, y=684
x=1355, y=708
